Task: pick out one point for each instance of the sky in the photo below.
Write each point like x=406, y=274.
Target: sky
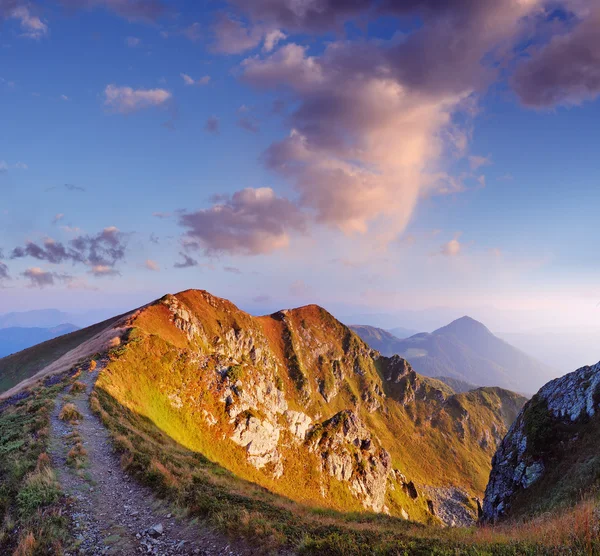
x=394, y=157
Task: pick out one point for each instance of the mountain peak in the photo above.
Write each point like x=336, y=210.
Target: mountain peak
x=464, y=325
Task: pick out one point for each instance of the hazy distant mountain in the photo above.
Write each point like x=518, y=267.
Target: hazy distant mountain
x=402, y=333
x=459, y=386
x=44, y=318
x=50, y=318
x=14, y=339
x=467, y=350
x=383, y=341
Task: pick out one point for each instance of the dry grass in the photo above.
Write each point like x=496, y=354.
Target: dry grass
x=93, y=365
x=70, y=413
x=26, y=546
x=78, y=387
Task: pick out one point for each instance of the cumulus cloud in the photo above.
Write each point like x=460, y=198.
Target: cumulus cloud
x=104, y=249
x=375, y=120
x=564, y=71
x=251, y=222
x=272, y=39
x=39, y=278
x=232, y=36
x=127, y=99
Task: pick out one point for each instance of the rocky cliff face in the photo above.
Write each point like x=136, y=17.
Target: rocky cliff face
x=298, y=403
x=549, y=453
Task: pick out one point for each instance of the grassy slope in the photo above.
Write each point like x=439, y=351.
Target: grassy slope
x=31, y=509
x=272, y=523
x=24, y=364
x=159, y=360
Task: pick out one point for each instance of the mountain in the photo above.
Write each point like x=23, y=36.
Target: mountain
x=42, y=318
x=50, y=318
x=459, y=386
x=549, y=459
x=402, y=333
x=15, y=339
x=378, y=338
x=465, y=349
x=294, y=402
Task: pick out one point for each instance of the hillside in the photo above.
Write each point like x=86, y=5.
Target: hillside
x=25, y=365
x=285, y=432
x=549, y=459
x=466, y=350
x=252, y=393
x=379, y=339
x=16, y=339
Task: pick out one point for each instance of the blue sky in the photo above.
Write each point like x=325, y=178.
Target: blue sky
x=473, y=191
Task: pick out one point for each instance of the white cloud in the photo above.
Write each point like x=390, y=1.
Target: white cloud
x=191, y=81
x=33, y=27
x=272, y=38
x=127, y=99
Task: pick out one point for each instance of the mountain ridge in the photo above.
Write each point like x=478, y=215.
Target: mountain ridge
x=467, y=350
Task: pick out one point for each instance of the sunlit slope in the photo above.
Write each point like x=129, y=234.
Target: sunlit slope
x=296, y=402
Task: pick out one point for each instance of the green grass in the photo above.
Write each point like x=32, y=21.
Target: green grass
x=31, y=518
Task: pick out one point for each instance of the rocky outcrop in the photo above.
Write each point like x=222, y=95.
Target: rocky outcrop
x=349, y=453
x=550, y=422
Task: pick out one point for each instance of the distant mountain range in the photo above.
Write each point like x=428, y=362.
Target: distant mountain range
x=14, y=339
x=50, y=318
x=465, y=350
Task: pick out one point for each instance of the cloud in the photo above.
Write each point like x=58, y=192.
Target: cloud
x=232, y=270
x=58, y=217
x=39, y=278
x=100, y=270
x=476, y=162
x=152, y=265
x=232, y=36
x=162, y=215
x=377, y=122
x=133, y=42
x=32, y=26
x=451, y=249
x=106, y=248
x=272, y=39
x=212, y=125
x=564, y=71
x=251, y=222
x=191, y=81
x=5, y=166
x=187, y=262
x=193, y=32
x=65, y=98
x=125, y=99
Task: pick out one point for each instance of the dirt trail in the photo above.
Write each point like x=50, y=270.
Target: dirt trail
x=111, y=513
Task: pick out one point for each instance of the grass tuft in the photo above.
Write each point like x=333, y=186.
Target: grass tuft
x=70, y=413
